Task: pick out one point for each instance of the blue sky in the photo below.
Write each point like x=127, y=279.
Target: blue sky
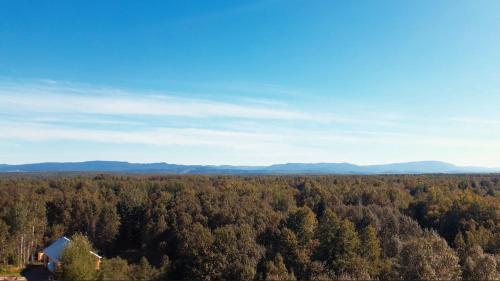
x=250, y=82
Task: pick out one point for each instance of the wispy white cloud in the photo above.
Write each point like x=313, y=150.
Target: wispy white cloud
x=45, y=112
x=157, y=136
x=477, y=121
x=236, y=139
x=112, y=104
x=57, y=98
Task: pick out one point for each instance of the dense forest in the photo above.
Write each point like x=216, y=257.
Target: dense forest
x=405, y=227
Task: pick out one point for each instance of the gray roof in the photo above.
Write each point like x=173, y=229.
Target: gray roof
x=55, y=249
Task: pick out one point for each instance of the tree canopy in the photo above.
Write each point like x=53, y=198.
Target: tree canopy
x=77, y=261
x=257, y=227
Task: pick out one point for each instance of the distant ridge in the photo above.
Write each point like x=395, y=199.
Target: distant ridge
x=422, y=167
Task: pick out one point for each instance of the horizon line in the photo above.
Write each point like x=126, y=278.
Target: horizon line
x=255, y=165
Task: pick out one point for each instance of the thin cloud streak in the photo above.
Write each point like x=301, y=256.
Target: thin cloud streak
x=44, y=113
x=247, y=140
x=477, y=121
x=125, y=105
x=159, y=136
x=66, y=98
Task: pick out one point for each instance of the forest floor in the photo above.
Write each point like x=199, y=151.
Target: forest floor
x=10, y=271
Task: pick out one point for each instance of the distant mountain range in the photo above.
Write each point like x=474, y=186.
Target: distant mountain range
x=423, y=167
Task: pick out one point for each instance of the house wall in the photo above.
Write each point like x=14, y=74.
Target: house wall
x=40, y=256
x=97, y=264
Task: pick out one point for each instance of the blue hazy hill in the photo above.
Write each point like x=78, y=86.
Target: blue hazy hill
x=423, y=167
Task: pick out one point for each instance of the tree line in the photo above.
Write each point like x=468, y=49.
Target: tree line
x=404, y=227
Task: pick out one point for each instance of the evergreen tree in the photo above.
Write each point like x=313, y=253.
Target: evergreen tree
x=277, y=271
x=338, y=244
x=144, y=271
x=370, y=249
x=303, y=222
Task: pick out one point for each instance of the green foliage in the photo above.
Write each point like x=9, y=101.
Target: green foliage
x=338, y=245
x=480, y=266
x=260, y=227
x=114, y=269
x=370, y=245
x=144, y=271
x=370, y=249
x=277, y=271
x=4, y=232
x=303, y=222
x=428, y=258
x=235, y=252
x=77, y=261
x=107, y=226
